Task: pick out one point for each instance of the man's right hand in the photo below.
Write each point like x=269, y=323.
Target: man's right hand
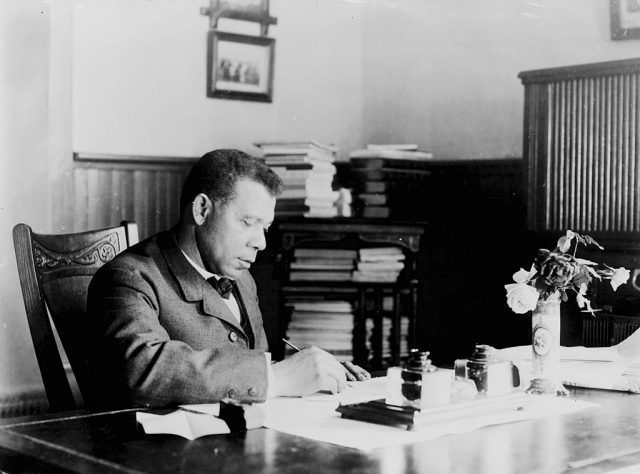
x=309, y=371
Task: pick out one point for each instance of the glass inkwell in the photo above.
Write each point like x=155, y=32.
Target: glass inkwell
x=411, y=391
x=418, y=383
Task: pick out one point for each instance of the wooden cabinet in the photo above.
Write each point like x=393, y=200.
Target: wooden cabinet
x=366, y=297
x=582, y=153
x=582, y=147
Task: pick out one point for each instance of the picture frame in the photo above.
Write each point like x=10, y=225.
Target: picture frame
x=240, y=67
x=625, y=19
x=246, y=7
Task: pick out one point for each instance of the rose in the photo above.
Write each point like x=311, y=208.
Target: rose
x=620, y=277
x=557, y=272
x=555, y=269
x=521, y=297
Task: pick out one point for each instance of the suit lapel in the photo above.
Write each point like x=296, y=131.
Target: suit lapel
x=193, y=286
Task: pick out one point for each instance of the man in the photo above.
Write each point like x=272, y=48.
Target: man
x=167, y=335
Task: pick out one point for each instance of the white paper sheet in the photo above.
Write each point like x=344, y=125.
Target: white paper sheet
x=608, y=368
x=362, y=391
x=318, y=420
x=182, y=423
x=315, y=417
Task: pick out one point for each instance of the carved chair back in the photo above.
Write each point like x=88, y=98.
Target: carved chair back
x=55, y=271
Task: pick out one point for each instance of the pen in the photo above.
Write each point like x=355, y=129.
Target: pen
x=297, y=349
x=291, y=345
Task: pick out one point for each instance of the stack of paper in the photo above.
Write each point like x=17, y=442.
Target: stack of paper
x=611, y=368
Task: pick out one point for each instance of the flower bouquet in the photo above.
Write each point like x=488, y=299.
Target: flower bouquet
x=553, y=274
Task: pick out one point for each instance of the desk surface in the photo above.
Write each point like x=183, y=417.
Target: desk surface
x=112, y=442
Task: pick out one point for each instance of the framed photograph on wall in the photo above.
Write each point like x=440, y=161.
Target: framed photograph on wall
x=240, y=66
x=247, y=7
x=625, y=19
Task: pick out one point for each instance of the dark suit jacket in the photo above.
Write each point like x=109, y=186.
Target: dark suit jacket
x=166, y=336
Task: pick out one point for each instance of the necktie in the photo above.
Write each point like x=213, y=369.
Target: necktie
x=223, y=286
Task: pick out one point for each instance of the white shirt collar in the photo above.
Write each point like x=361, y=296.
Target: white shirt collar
x=205, y=274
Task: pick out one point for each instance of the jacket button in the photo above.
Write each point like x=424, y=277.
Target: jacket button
x=253, y=391
x=233, y=337
x=233, y=393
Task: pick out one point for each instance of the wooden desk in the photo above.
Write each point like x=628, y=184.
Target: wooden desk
x=111, y=442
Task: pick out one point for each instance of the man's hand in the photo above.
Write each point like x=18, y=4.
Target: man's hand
x=355, y=372
x=309, y=371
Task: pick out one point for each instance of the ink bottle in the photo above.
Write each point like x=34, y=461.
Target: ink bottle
x=418, y=383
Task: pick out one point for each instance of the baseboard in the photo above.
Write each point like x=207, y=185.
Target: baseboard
x=29, y=401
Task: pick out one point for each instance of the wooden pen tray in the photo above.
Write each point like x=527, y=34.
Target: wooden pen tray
x=377, y=411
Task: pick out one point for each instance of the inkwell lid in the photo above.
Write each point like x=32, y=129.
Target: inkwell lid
x=485, y=354
x=419, y=360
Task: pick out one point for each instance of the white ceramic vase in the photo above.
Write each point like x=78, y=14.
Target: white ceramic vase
x=545, y=348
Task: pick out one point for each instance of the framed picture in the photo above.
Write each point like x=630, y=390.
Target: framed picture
x=625, y=19
x=249, y=7
x=240, y=66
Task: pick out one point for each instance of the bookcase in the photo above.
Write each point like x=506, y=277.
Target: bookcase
x=367, y=297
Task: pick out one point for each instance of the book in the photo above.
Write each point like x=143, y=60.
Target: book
x=373, y=198
x=309, y=195
x=381, y=258
x=338, y=275
x=321, y=212
x=278, y=146
x=388, y=165
x=398, y=146
x=312, y=321
x=368, y=174
x=325, y=252
x=317, y=180
x=388, y=250
x=391, y=154
x=287, y=158
x=328, y=306
x=348, y=265
x=380, y=265
x=373, y=187
x=314, y=173
x=375, y=277
x=307, y=165
x=324, y=261
x=375, y=212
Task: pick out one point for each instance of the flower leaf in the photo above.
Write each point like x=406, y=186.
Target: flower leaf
x=563, y=296
x=587, y=240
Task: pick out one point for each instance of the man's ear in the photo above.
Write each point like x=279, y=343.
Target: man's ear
x=201, y=207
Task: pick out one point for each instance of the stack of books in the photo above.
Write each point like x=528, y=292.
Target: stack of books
x=387, y=328
x=379, y=264
x=321, y=264
x=307, y=169
x=327, y=324
x=373, y=171
x=385, y=351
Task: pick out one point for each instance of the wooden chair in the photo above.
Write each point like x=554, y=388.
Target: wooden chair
x=55, y=271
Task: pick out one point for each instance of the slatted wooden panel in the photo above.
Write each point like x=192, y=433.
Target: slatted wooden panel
x=112, y=188
x=607, y=329
x=582, y=146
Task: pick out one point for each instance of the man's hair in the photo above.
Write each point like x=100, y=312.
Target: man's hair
x=218, y=171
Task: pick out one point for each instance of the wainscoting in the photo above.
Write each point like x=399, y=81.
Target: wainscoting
x=28, y=401
x=110, y=188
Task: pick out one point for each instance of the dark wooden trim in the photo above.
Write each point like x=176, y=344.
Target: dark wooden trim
x=93, y=158
x=606, y=68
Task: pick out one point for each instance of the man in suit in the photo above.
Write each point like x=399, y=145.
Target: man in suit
x=177, y=314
